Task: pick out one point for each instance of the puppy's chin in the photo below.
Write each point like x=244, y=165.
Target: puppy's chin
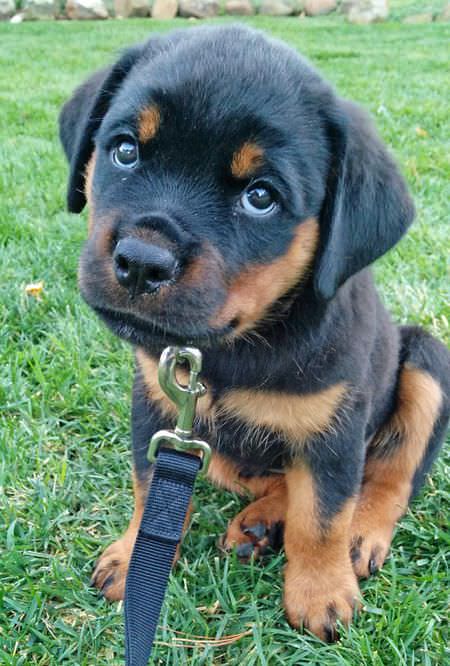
x=153, y=337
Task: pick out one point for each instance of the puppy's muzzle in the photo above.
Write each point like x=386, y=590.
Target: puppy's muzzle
x=142, y=267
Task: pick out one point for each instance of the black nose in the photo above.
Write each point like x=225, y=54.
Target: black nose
x=141, y=267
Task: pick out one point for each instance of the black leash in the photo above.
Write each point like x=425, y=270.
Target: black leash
x=159, y=534
x=161, y=528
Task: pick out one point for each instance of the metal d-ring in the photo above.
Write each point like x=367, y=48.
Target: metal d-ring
x=185, y=398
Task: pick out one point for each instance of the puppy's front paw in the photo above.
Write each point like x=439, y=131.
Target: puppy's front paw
x=315, y=600
x=111, y=569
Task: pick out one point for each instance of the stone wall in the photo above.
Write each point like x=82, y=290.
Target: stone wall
x=355, y=11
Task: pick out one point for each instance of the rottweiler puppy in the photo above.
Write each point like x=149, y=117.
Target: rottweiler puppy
x=235, y=204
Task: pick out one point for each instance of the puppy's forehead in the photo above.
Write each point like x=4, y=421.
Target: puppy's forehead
x=220, y=81
x=188, y=103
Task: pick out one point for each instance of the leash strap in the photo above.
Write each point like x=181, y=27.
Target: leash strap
x=159, y=534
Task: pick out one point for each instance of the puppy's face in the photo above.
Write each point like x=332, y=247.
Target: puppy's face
x=213, y=160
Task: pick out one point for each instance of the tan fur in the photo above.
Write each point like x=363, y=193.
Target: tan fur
x=99, y=227
x=149, y=371
x=388, y=478
x=149, y=122
x=115, y=560
x=297, y=417
x=319, y=582
x=246, y=160
x=267, y=511
x=199, y=271
x=257, y=288
x=304, y=514
x=224, y=473
x=418, y=403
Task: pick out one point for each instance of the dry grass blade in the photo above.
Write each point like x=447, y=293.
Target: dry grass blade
x=202, y=641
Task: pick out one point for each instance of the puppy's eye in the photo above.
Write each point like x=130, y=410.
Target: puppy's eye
x=125, y=154
x=258, y=199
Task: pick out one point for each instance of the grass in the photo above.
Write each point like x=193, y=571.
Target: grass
x=65, y=381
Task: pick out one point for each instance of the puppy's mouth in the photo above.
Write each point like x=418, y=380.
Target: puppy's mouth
x=175, y=311
x=155, y=337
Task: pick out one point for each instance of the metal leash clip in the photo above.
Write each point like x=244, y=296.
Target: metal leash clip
x=185, y=398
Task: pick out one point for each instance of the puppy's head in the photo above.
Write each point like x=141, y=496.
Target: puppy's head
x=223, y=175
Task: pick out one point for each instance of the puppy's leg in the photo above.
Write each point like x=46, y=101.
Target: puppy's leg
x=111, y=569
x=403, y=451
x=320, y=585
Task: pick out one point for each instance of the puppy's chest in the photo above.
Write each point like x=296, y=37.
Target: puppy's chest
x=258, y=428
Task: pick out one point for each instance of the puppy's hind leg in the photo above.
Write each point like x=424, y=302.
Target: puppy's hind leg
x=404, y=449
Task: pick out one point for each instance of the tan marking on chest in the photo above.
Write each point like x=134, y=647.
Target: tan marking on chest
x=149, y=122
x=297, y=417
x=246, y=160
x=253, y=291
x=149, y=370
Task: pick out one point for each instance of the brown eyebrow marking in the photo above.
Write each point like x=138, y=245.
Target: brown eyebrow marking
x=149, y=121
x=246, y=160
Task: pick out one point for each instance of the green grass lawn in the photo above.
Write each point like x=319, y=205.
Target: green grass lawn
x=65, y=381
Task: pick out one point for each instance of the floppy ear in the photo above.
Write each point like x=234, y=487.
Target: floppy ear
x=81, y=117
x=367, y=207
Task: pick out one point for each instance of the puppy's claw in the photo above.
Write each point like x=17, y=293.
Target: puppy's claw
x=255, y=532
x=373, y=567
x=109, y=581
x=276, y=535
x=368, y=553
x=355, y=549
x=245, y=550
x=330, y=634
